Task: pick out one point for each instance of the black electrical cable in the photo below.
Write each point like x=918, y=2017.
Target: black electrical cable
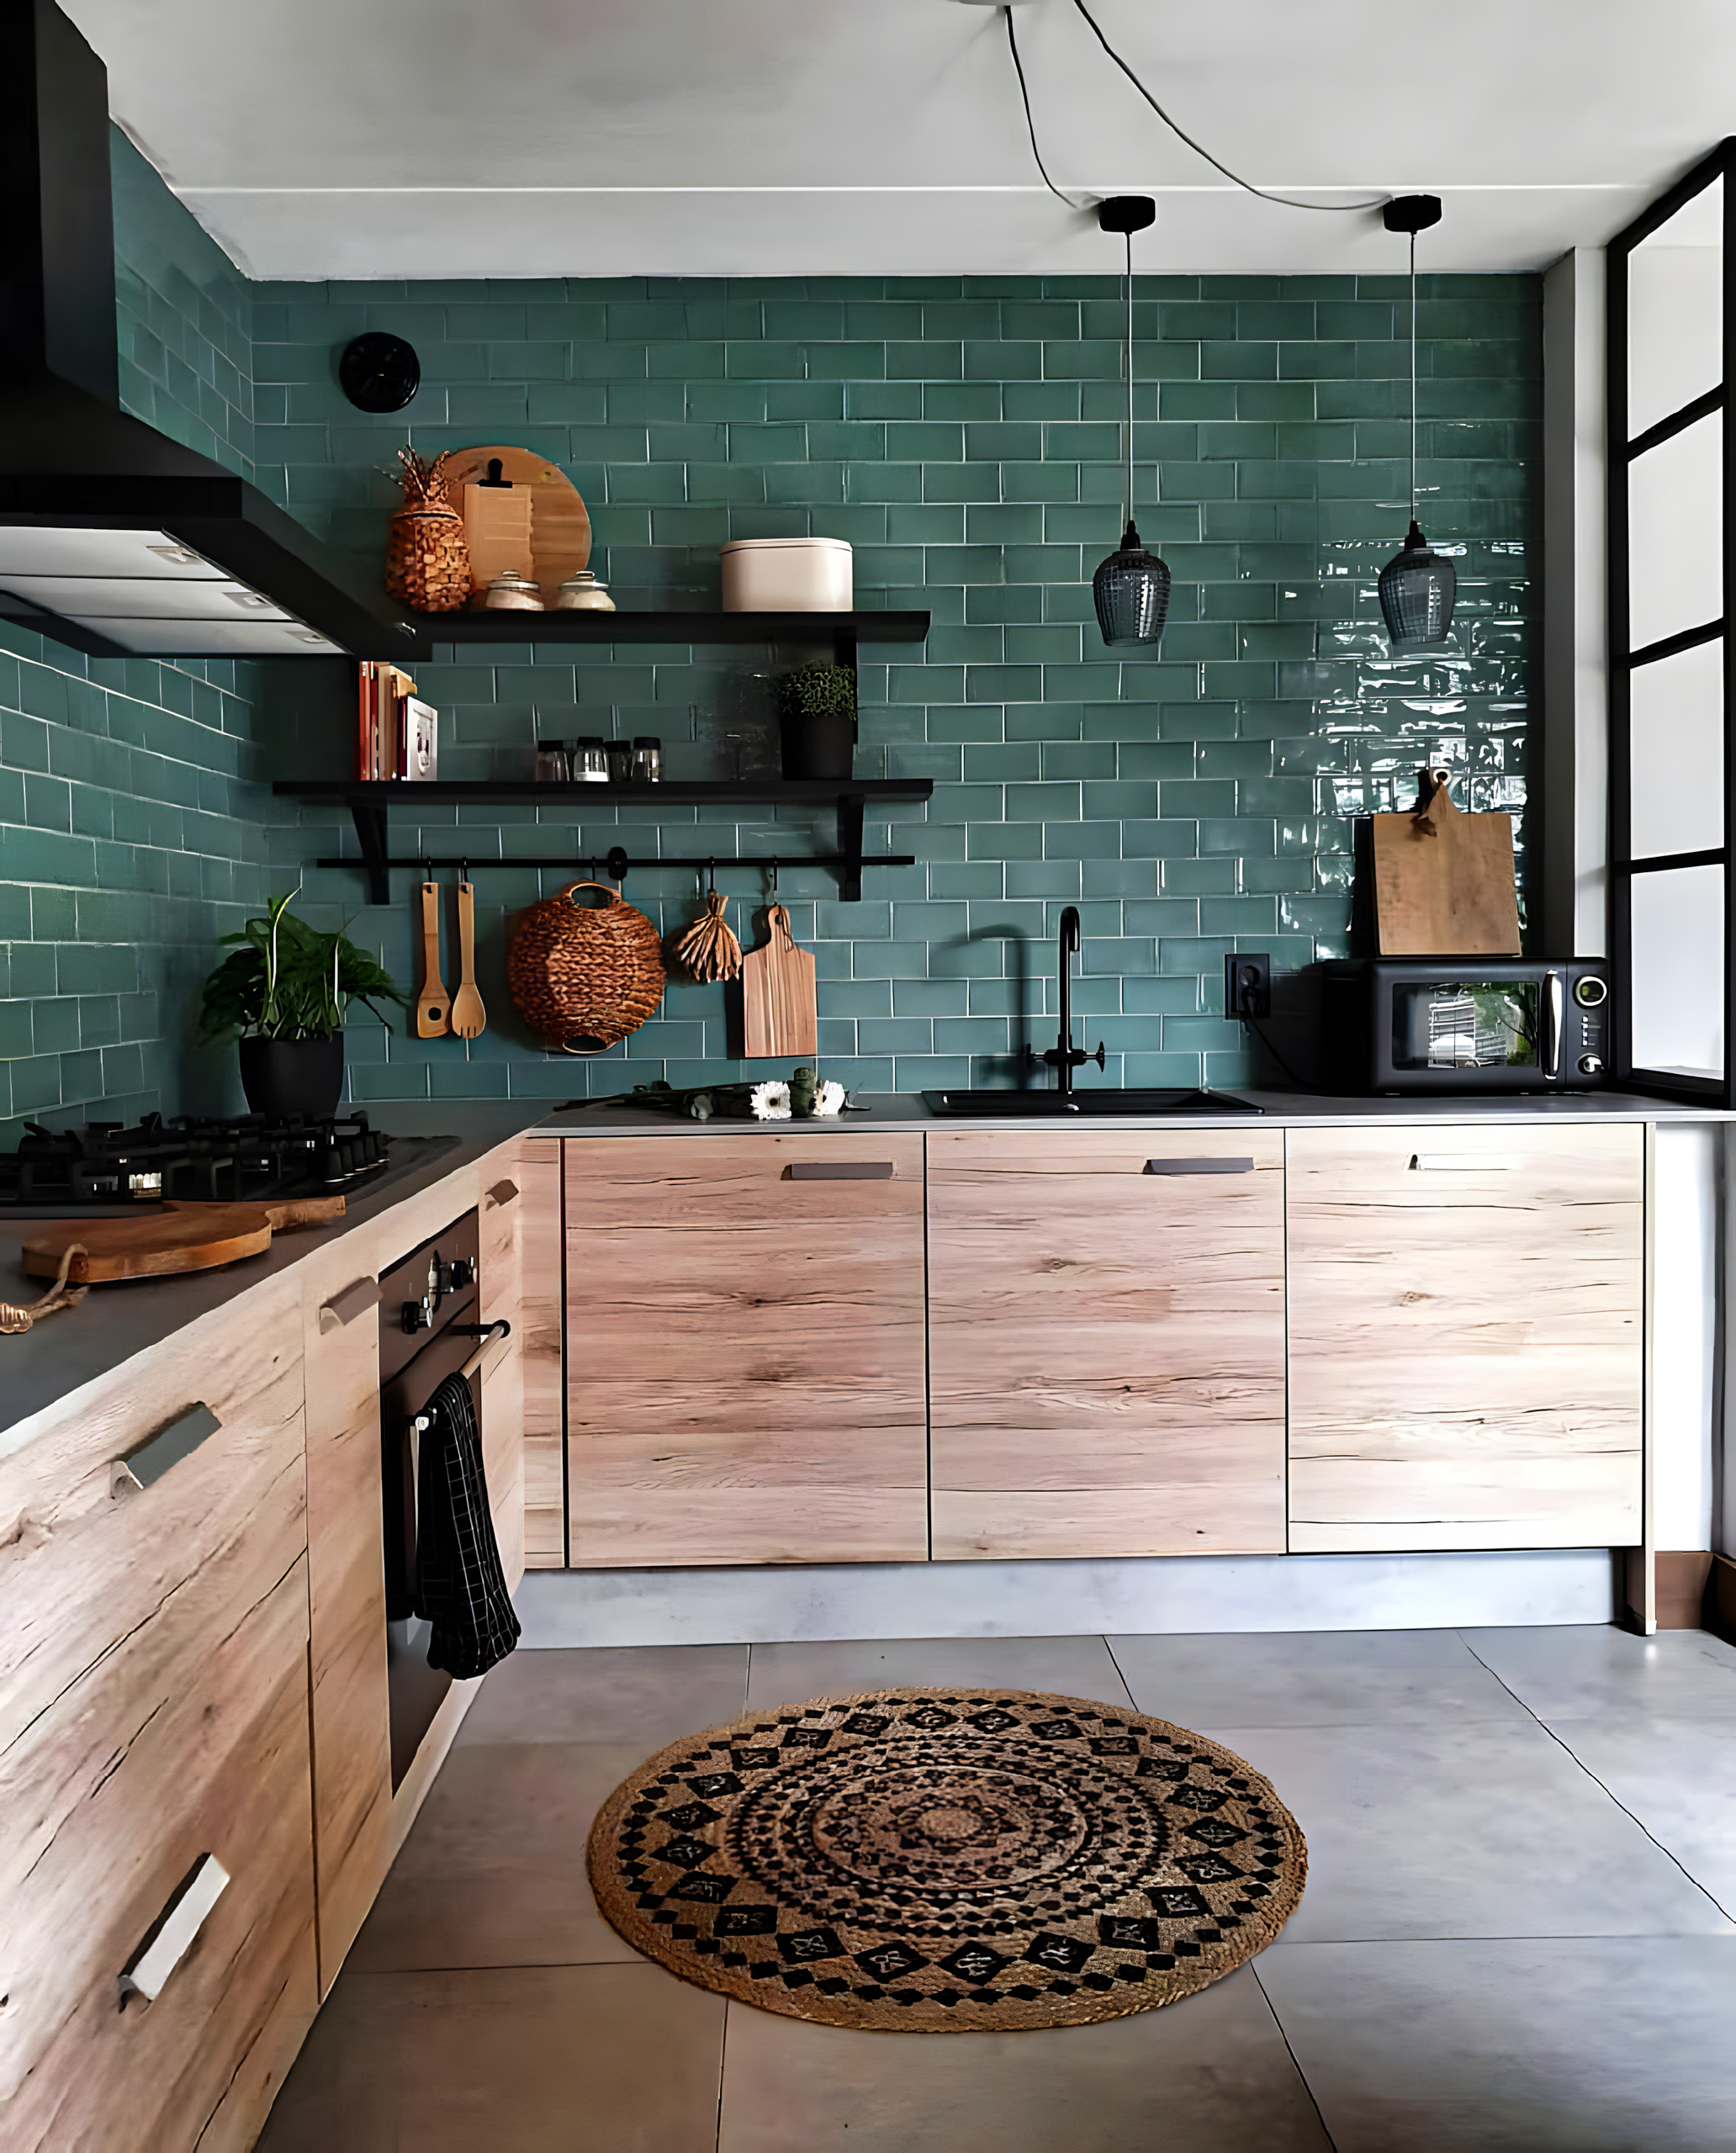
x=1288, y=201
x=1024, y=93
x=1252, y=1022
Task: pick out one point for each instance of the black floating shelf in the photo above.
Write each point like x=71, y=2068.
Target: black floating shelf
x=370, y=800
x=843, y=631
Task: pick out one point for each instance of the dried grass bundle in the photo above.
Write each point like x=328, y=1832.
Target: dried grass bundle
x=707, y=950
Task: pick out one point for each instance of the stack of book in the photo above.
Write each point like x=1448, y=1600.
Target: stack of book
x=395, y=734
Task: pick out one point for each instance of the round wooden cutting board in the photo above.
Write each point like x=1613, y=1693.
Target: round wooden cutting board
x=179, y=1237
x=560, y=527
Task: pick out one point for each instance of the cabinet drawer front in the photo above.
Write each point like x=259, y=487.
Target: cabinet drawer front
x=1466, y=1337
x=699, y=1181
x=1106, y=1343
x=119, y=1607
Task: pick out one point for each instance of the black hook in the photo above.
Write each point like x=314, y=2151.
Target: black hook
x=774, y=875
x=463, y=871
x=427, y=870
x=710, y=867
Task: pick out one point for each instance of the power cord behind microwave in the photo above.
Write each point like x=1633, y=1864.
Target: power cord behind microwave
x=1245, y=995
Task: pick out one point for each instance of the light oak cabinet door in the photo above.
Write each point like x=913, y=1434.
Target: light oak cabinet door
x=538, y=1174
x=744, y=1349
x=153, y=1711
x=1466, y=1337
x=1106, y=1343
x=352, y=1763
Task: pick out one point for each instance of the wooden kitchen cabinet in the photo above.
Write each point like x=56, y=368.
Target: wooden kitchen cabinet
x=1106, y=1341
x=538, y=1174
x=1466, y=1335
x=153, y=1711
x=744, y=1348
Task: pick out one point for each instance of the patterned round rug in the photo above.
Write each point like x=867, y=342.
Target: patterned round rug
x=941, y=1861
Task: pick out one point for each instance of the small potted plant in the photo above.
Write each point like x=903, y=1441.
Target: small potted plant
x=285, y=991
x=817, y=705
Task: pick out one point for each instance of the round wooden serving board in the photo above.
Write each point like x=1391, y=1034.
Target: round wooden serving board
x=179, y=1237
x=560, y=526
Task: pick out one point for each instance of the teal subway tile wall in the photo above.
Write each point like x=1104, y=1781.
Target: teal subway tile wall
x=963, y=436
x=132, y=828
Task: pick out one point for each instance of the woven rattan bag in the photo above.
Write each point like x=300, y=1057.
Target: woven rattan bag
x=585, y=976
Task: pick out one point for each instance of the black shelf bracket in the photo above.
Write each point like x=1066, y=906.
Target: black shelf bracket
x=849, y=846
x=371, y=834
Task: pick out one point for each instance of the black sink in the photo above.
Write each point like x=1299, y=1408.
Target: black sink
x=1050, y=1106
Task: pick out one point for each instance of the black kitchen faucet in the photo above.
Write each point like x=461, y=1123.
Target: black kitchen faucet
x=1064, y=1057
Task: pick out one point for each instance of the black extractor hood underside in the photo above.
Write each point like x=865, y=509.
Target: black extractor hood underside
x=114, y=539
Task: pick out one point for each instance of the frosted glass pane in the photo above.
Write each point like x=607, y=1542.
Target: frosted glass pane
x=1677, y=787
x=1675, y=577
x=1674, y=311
x=1678, y=972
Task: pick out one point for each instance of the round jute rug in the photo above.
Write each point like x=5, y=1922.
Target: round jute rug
x=939, y=1861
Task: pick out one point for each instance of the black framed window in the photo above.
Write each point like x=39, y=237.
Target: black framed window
x=1672, y=929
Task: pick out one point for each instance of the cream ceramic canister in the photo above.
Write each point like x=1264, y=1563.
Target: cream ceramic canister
x=581, y=593
x=512, y=592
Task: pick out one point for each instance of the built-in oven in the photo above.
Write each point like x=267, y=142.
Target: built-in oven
x=429, y=1304
x=1455, y=1024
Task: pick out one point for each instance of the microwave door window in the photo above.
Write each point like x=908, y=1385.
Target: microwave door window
x=1459, y=1024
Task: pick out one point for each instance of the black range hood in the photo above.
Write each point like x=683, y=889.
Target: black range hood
x=114, y=539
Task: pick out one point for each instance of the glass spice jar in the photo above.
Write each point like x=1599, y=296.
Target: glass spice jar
x=552, y=765
x=647, y=758
x=513, y=593
x=589, y=760
x=620, y=754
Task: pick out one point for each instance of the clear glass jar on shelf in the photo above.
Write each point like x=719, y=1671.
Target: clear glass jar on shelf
x=647, y=759
x=553, y=767
x=589, y=760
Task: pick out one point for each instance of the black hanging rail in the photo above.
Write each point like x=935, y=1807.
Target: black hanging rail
x=615, y=862
x=370, y=800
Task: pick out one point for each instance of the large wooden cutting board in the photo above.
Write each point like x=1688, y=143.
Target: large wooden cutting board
x=1443, y=880
x=560, y=524
x=179, y=1237
x=779, y=1005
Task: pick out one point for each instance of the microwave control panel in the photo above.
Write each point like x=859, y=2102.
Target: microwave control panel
x=1585, y=1042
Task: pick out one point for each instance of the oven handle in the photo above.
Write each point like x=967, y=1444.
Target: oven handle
x=488, y=1332
x=1556, y=996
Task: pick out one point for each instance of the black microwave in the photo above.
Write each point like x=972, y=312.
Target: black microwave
x=1449, y=1025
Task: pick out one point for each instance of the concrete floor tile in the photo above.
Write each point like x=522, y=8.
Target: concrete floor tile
x=1321, y=1678
x=1464, y=1828
x=1211, y=2070
x=1074, y=1667
x=1567, y=2046
x=492, y=1872
x=648, y=1694
x=1678, y=1777
x=511, y=2059
x=1586, y=1672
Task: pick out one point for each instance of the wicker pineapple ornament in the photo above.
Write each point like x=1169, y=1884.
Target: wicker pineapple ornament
x=427, y=561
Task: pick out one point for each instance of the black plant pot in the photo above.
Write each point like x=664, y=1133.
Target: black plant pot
x=286, y=1077
x=821, y=745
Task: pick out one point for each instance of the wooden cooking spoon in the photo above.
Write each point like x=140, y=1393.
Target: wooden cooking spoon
x=433, y=1004
x=468, y=1016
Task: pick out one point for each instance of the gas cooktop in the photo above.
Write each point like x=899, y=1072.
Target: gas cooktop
x=106, y=1167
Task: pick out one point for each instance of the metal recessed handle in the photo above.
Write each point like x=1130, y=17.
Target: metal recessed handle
x=502, y=1192
x=143, y=1467
x=170, y=1936
x=838, y=1170
x=1199, y=1165
x=1463, y=1162
x=354, y=1301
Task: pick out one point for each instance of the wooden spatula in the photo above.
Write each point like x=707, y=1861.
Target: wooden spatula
x=779, y=1012
x=433, y=1003
x=468, y=1016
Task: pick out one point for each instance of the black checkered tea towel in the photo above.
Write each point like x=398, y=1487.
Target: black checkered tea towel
x=460, y=1588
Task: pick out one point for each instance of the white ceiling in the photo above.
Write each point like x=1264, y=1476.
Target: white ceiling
x=531, y=138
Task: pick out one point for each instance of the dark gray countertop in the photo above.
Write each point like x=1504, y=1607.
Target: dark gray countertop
x=115, y=1322
x=904, y=1110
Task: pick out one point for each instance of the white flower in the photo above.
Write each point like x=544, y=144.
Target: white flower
x=829, y=1098
x=770, y=1102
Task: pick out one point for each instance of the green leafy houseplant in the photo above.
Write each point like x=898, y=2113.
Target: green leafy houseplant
x=817, y=705
x=288, y=981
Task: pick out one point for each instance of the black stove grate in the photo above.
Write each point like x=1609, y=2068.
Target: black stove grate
x=106, y=1164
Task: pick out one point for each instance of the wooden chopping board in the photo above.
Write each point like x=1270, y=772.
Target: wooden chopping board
x=178, y=1237
x=779, y=1005
x=560, y=526
x=1443, y=880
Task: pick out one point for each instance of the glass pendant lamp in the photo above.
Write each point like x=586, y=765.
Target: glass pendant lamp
x=1131, y=588
x=1417, y=585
